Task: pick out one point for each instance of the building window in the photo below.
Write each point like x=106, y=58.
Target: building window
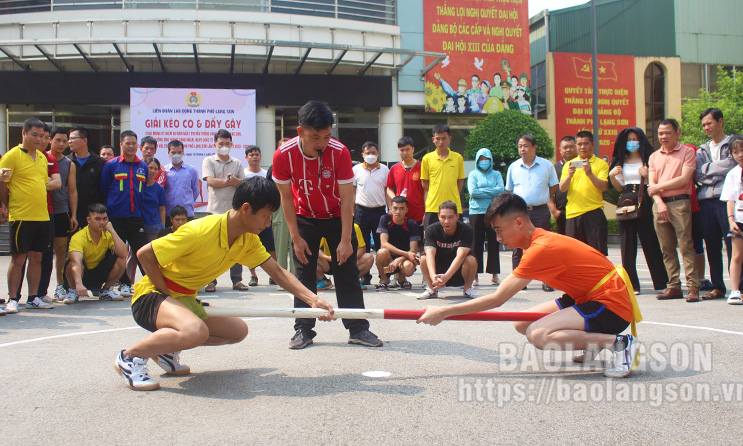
x=655, y=100
x=539, y=90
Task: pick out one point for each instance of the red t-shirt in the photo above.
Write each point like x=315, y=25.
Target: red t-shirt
x=314, y=180
x=53, y=168
x=400, y=179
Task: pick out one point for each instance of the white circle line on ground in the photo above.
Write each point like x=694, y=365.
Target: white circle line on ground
x=109, y=330
x=46, y=338
x=696, y=327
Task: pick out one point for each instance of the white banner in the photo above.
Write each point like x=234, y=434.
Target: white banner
x=193, y=116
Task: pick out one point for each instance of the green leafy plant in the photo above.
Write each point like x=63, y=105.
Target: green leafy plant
x=500, y=132
x=728, y=97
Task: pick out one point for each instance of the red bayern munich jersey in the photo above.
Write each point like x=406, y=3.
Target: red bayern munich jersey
x=314, y=180
x=400, y=179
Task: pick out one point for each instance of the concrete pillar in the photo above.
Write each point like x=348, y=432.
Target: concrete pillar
x=125, y=117
x=390, y=127
x=265, y=133
x=3, y=129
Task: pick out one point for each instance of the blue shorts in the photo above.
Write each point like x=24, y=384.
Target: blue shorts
x=599, y=319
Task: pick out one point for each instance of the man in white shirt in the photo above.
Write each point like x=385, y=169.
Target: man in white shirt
x=370, y=180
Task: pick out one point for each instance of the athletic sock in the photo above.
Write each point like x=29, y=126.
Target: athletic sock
x=620, y=343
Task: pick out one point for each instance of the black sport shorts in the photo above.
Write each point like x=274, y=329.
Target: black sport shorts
x=145, y=310
x=599, y=319
x=28, y=236
x=93, y=279
x=62, y=225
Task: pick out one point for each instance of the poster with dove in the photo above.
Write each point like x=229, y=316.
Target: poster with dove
x=487, y=66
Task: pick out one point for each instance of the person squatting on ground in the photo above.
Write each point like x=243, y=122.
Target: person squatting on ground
x=598, y=305
x=183, y=262
x=400, y=238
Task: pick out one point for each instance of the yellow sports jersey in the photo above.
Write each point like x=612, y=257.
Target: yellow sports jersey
x=359, y=239
x=442, y=176
x=92, y=252
x=27, y=185
x=197, y=252
x=583, y=196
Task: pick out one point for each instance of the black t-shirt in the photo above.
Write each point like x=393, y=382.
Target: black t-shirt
x=447, y=245
x=400, y=235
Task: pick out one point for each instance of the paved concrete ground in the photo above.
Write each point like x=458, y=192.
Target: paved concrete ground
x=458, y=383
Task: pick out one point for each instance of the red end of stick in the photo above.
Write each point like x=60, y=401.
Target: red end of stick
x=482, y=316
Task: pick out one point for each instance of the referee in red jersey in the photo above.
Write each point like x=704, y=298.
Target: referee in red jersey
x=314, y=175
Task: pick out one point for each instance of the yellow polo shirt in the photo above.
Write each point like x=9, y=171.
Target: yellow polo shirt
x=27, y=185
x=199, y=251
x=442, y=176
x=92, y=252
x=583, y=196
x=359, y=238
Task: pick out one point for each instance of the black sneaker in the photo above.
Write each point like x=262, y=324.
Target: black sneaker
x=547, y=288
x=300, y=340
x=366, y=338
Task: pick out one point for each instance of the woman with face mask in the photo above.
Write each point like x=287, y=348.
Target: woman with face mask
x=628, y=170
x=484, y=183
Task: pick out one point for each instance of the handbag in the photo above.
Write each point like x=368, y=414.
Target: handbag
x=627, y=210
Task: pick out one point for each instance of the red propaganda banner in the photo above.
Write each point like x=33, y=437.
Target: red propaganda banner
x=574, y=96
x=487, y=65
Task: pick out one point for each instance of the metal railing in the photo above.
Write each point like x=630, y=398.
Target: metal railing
x=375, y=11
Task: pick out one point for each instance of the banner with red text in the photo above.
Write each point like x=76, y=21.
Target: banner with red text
x=193, y=116
x=574, y=96
x=487, y=68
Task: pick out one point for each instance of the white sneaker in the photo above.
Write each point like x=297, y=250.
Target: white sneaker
x=38, y=304
x=3, y=312
x=47, y=299
x=110, y=294
x=171, y=364
x=624, y=358
x=125, y=290
x=393, y=283
x=71, y=297
x=735, y=298
x=471, y=293
x=59, y=293
x=583, y=356
x=135, y=373
x=11, y=307
x=428, y=294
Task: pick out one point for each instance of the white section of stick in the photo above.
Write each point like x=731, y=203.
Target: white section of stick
x=294, y=312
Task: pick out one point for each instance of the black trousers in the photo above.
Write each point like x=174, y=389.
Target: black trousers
x=482, y=231
x=644, y=228
x=130, y=230
x=347, y=288
x=591, y=228
x=540, y=218
x=560, y=222
x=715, y=226
x=368, y=221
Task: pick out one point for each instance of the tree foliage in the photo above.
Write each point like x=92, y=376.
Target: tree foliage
x=728, y=97
x=500, y=132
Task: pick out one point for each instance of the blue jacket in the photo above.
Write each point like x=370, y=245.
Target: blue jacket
x=121, y=185
x=483, y=186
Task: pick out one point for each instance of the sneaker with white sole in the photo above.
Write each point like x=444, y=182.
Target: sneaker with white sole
x=625, y=351
x=11, y=307
x=110, y=294
x=3, y=312
x=71, y=297
x=38, y=304
x=47, y=299
x=135, y=373
x=735, y=298
x=583, y=356
x=471, y=293
x=125, y=290
x=60, y=293
x=171, y=364
x=428, y=294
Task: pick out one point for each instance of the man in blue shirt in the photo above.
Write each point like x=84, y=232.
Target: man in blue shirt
x=182, y=187
x=534, y=179
x=122, y=182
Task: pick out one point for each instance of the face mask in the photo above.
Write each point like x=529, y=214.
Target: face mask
x=223, y=151
x=177, y=158
x=484, y=165
x=633, y=146
x=370, y=159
